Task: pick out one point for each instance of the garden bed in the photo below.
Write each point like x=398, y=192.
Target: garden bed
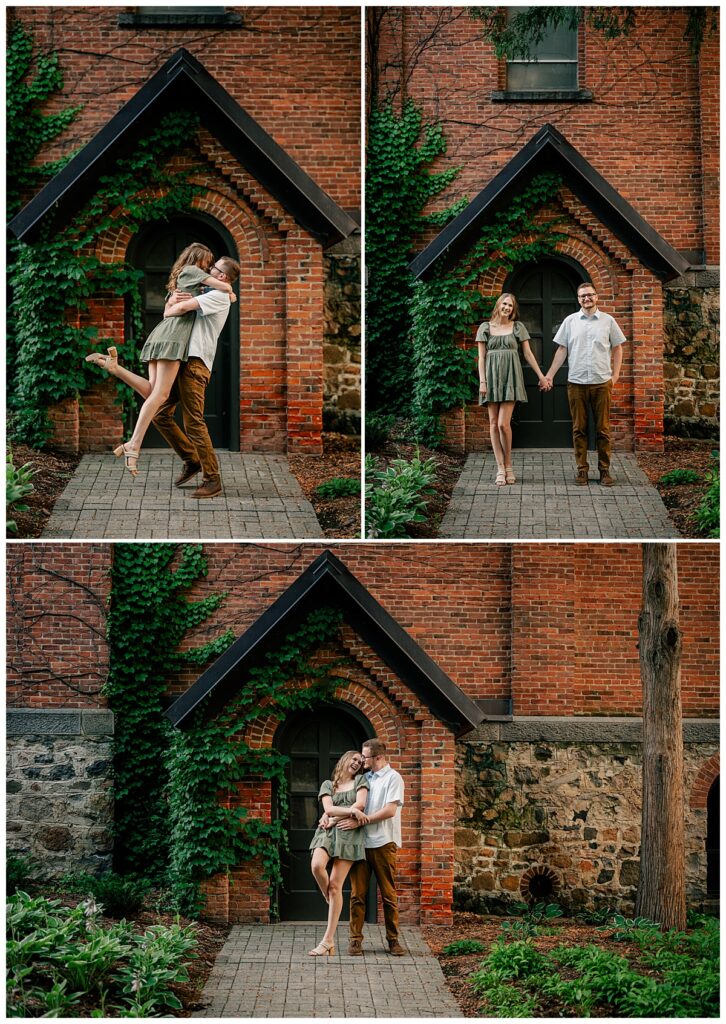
x=538, y=970
x=338, y=516
x=681, y=499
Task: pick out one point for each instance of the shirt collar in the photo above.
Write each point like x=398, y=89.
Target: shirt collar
x=588, y=316
x=376, y=775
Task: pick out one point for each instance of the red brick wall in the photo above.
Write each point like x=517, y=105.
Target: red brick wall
x=57, y=656
x=295, y=70
x=651, y=129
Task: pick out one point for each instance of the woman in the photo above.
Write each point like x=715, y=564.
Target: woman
x=344, y=796
x=501, y=383
x=166, y=347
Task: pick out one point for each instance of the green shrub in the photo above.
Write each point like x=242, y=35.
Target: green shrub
x=18, y=873
x=17, y=486
x=397, y=496
x=378, y=429
x=463, y=947
x=62, y=963
x=679, y=476
x=533, y=920
x=707, y=515
x=120, y=896
x=339, y=487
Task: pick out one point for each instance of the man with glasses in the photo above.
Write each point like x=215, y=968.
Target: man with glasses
x=592, y=342
x=382, y=821
x=193, y=444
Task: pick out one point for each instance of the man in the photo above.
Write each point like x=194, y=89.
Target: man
x=589, y=340
x=382, y=840
x=193, y=444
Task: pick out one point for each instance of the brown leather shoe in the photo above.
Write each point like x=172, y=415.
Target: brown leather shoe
x=355, y=947
x=396, y=949
x=209, y=489
x=581, y=477
x=189, y=470
x=605, y=479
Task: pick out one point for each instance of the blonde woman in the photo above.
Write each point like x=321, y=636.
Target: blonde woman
x=501, y=383
x=344, y=796
x=166, y=347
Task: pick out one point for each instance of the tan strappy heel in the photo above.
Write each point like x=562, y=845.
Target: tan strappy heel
x=323, y=949
x=131, y=458
x=107, y=363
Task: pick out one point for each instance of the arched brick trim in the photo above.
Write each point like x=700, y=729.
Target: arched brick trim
x=703, y=782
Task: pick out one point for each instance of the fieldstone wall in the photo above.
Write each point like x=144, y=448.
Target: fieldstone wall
x=691, y=354
x=540, y=805
x=60, y=789
x=342, y=338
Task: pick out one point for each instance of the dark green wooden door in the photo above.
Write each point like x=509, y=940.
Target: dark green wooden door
x=546, y=293
x=314, y=741
x=154, y=251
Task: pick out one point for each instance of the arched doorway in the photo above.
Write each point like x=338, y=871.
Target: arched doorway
x=546, y=292
x=313, y=740
x=153, y=251
x=713, y=842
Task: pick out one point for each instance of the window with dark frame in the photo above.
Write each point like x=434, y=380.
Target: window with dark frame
x=548, y=72
x=175, y=17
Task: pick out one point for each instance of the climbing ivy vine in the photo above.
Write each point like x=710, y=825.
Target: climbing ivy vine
x=446, y=307
x=149, y=615
x=211, y=758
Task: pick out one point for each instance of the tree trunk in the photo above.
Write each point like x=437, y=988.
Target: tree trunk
x=662, y=887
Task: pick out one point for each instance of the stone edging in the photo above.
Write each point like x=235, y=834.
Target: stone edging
x=584, y=730
x=63, y=722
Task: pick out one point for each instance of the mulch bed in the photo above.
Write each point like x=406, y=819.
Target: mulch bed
x=681, y=500
x=339, y=517
x=487, y=929
x=54, y=470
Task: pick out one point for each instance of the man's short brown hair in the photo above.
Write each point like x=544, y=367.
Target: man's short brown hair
x=231, y=268
x=586, y=284
x=376, y=747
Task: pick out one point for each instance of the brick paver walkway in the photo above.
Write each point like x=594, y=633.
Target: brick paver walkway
x=264, y=971
x=546, y=502
x=262, y=499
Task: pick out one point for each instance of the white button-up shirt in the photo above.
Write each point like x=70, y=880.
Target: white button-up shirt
x=208, y=323
x=589, y=341
x=385, y=787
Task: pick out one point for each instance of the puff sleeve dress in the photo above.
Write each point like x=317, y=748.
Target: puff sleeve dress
x=505, y=381
x=343, y=843
x=170, y=338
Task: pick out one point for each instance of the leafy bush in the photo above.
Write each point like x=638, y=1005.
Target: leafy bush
x=679, y=476
x=17, y=486
x=397, y=496
x=463, y=947
x=18, y=873
x=62, y=963
x=120, y=896
x=533, y=920
x=707, y=515
x=378, y=428
x=339, y=487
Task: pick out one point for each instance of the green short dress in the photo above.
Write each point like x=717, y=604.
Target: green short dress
x=170, y=338
x=343, y=843
x=505, y=381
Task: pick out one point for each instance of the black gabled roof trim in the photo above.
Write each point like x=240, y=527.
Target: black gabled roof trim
x=328, y=581
x=550, y=151
x=184, y=83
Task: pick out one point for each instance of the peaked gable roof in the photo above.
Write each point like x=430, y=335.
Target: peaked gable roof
x=328, y=581
x=184, y=83
x=548, y=150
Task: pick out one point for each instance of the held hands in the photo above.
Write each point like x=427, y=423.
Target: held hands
x=546, y=384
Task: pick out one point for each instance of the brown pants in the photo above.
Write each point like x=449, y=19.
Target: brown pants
x=382, y=862
x=596, y=397
x=193, y=444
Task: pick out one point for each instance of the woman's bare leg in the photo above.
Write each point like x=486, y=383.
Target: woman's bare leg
x=493, y=410
x=335, y=896
x=162, y=374
x=504, y=425
x=140, y=384
x=319, y=867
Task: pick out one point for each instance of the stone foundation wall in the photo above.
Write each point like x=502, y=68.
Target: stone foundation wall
x=557, y=805
x=342, y=338
x=60, y=789
x=691, y=354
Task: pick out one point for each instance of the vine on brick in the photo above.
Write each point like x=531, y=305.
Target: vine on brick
x=148, y=618
x=448, y=305
x=211, y=757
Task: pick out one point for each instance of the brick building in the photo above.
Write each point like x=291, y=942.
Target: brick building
x=504, y=679
x=631, y=125
x=277, y=91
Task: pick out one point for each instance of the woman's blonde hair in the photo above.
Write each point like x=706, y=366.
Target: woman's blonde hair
x=341, y=767
x=496, y=316
x=189, y=257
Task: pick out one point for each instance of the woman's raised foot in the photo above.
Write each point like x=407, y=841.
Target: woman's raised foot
x=107, y=363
